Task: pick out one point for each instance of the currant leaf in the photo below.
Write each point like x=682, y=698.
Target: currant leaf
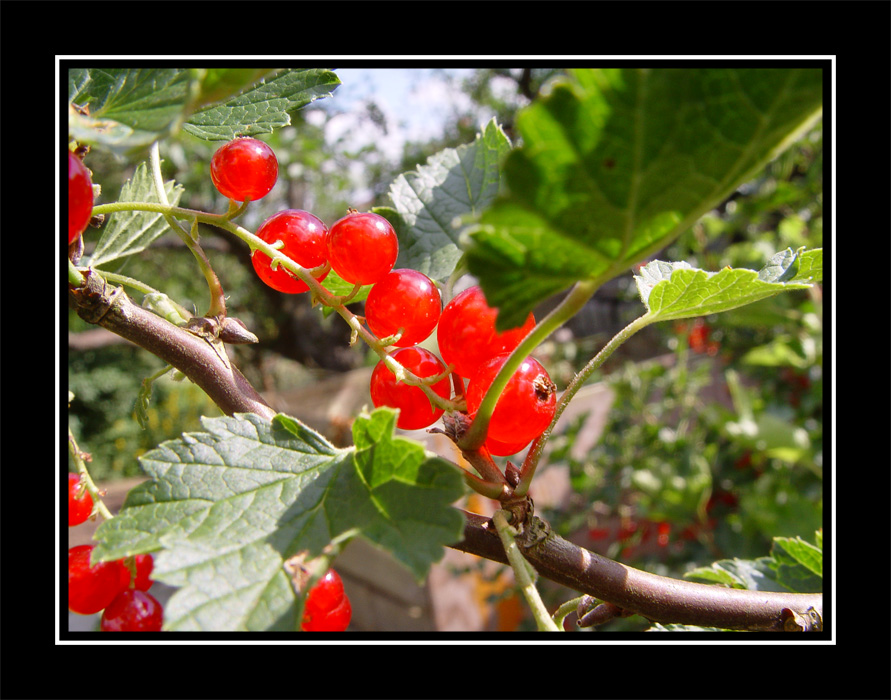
x=615, y=164
x=129, y=232
x=677, y=290
x=264, y=107
x=124, y=109
x=225, y=508
x=432, y=204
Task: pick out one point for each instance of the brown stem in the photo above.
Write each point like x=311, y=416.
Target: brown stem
x=109, y=307
x=656, y=598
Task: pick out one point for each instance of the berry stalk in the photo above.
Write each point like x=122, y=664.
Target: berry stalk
x=86, y=480
x=217, y=297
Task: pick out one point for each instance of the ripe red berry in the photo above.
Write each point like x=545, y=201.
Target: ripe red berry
x=404, y=301
x=144, y=564
x=79, y=509
x=303, y=236
x=362, y=248
x=525, y=407
x=327, y=607
x=133, y=611
x=91, y=588
x=467, y=336
x=504, y=449
x=244, y=169
x=80, y=197
x=415, y=409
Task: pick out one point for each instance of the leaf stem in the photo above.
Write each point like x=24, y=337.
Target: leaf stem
x=537, y=447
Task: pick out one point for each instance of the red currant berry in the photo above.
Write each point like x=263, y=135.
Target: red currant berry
x=244, y=169
x=406, y=302
x=79, y=509
x=525, y=407
x=415, y=409
x=144, y=564
x=503, y=449
x=133, y=611
x=91, y=588
x=303, y=236
x=362, y=248
x=327, y=607
x=80, y=197
x=467, y=335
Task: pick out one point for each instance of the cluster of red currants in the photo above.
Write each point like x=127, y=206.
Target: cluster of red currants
x=117, y=588
x=402, y=309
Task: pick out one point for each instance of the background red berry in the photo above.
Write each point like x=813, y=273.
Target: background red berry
x=415, y=409
x=467, y=336
x=91, y=588
x=327, y=607
x=304, y=238
x=80, y=197
x=404, y=300
x=525, y=407
x=244, y=169
x=362, y=248
x=133, y=611
x=79, y=509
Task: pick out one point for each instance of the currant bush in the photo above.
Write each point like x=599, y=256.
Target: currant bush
x=327, y=607
x=406, y=302
x=467, y=336
x=133, y=610
x=362, y=248
x=91, y=588
x=79, y=508
x=303, y=236
x=525, y=407
x=415, y=409
x=244, y=169
x=80, y=197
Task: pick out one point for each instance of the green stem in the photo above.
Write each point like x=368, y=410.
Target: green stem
x=571, y=305
x=217, y=297
x=75, y=278
x=523, y=573
x=570, y=606
x=535, y=451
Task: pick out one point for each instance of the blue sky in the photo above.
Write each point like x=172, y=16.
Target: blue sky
x=415, y=100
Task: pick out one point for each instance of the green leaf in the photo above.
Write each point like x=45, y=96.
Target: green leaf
x=615, y=164
x=129, y=232
x=263, y=108
x=676, y=290
x=754, y=575
x=798, y=564
x=123, y=109
x=793, y=564
x=218, y=84
x=434, y=202
x=227, y=507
